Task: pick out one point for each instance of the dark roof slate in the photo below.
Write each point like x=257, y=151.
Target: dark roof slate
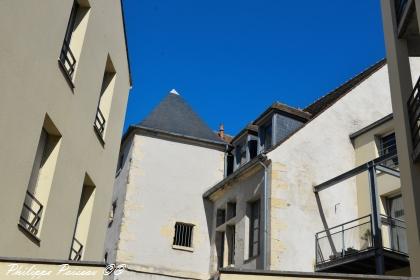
x=174, y=115
x=327, y=100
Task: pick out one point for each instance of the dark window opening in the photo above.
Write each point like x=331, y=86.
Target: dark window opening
x=252, y=145
x=229, y=164
x=220, y=217
x=231, y=210
x=266, y=136
x=254, y=229
x=183, y=235
x=241, y=154
x=230, y=235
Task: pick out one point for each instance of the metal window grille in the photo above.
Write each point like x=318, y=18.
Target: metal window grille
x=31, y=214
x=414, y=115
x=76, y=250
x=254, y=229
x=100, y=122
x=67, y=59
x=388, y=145
x=183, y=235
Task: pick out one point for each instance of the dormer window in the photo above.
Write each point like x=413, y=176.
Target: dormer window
x=241, y=154
x=267, y=136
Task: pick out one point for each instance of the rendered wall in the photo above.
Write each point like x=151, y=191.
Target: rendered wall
x=164, y=185
x=317, y=153
x=246, y=188
x=33, y=85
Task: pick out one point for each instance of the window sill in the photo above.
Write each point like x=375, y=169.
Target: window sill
x=68, y=78
x=99, y=136
x=182, y=248
x=29, y=234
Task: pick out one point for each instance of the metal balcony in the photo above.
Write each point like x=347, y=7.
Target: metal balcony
x=349, y=247
x=76, y=250
x=31, y=214
x=372, y=244
x=414, y=117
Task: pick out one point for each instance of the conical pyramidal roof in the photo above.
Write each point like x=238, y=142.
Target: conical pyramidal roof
x=174, y=115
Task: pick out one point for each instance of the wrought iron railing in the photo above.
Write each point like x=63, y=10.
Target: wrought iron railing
x=67, y=59
x=400, y=6
x=31, y=214
x=356, y=236
x=76, y=250
x=414, y=117
x=100, y=122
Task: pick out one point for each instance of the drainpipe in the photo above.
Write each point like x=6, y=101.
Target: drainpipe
x=265, y=206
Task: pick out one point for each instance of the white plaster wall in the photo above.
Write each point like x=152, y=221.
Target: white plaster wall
x=165, y=184
x=317, y=153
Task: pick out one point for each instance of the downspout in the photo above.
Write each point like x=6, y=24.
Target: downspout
x=265, y=206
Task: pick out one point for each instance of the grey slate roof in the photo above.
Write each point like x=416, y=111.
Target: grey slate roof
x=174, y=115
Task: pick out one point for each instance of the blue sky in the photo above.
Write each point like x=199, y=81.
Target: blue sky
x=231, y=59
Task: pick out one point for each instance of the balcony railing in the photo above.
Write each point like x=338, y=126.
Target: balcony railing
x=100, y=122
x=67, y=60
x=400, y=6
x=414, y=117
x=394, y=234
x=76, y=250
x=31, y=214
x=356, y=236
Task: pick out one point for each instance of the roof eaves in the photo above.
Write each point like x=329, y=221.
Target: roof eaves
x=238, y=172
x=187, y=137
x=371, y=126
x=126, y=44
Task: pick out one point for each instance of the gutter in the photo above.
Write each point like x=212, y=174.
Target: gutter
x=265, y=205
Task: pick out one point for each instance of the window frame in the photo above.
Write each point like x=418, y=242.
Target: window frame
x=254, y=205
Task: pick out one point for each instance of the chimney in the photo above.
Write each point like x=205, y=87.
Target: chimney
x=221, y=131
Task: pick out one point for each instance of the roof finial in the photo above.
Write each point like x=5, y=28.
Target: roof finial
x=221, y=132
x=173, y=91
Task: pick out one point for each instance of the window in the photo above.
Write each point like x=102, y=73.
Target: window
x=220, y=248
x=266, y=136
x=183, y=235
x=231, y=210
x=388, y=145
x=84, y=215
x=112, y=213
x=73, y=38
x=220, y=217
x=230, y=235
x=229, y=164
x=396, y=225
x=254, y=229
x=40, y=179
x=105, y=99
x=240, y=154
x=252, y=146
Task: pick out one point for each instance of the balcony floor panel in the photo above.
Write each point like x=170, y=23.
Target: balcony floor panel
x=364, y=263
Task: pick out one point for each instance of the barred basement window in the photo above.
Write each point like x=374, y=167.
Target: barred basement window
x=183, y=235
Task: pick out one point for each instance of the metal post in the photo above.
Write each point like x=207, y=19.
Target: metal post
x=343, y=248
x=376, y=221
